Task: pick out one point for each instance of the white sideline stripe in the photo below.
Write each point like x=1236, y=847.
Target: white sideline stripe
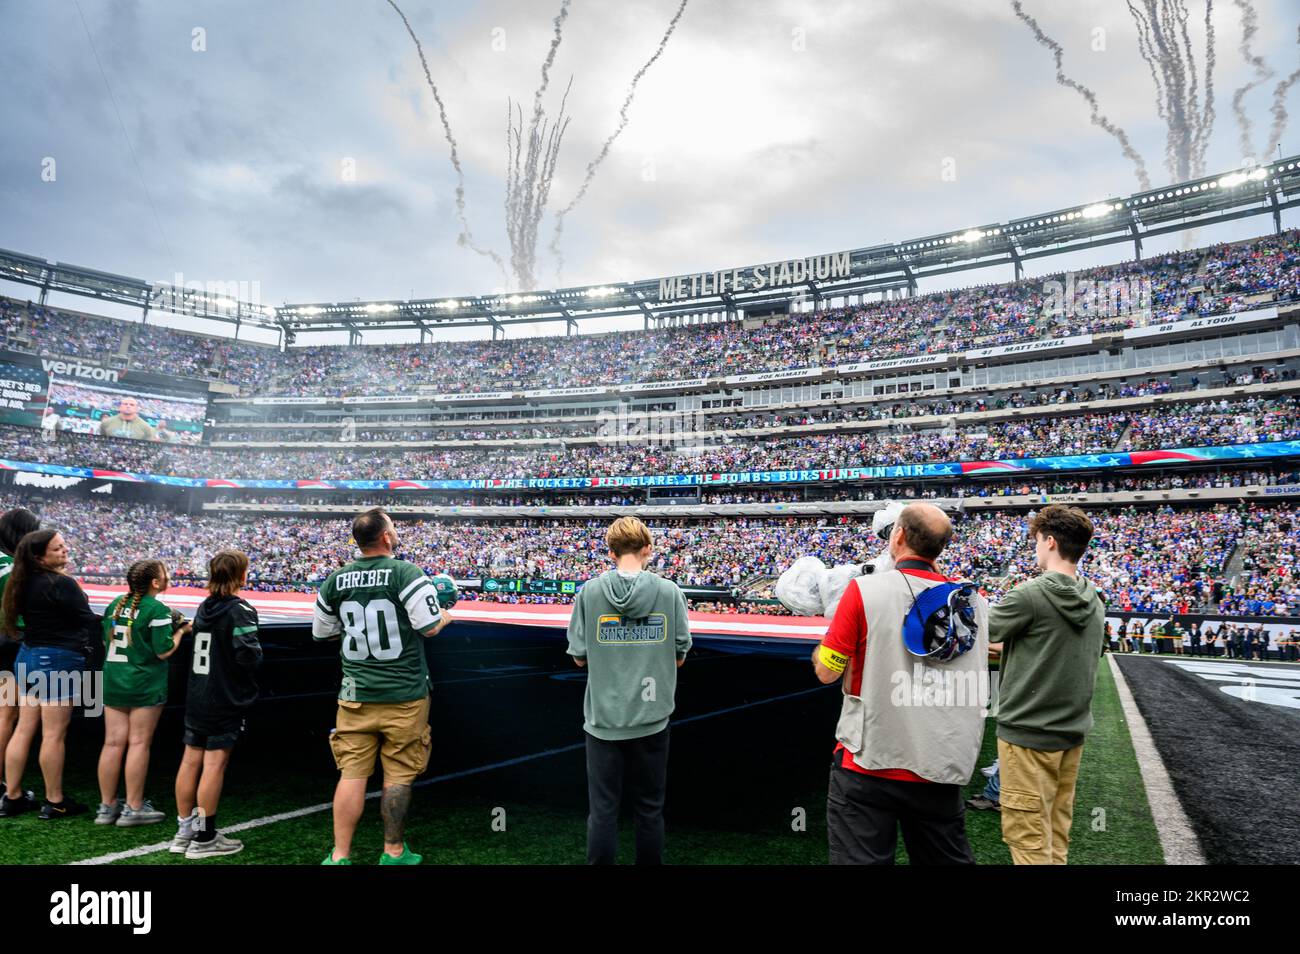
x=461, y=773
x=1177, y=837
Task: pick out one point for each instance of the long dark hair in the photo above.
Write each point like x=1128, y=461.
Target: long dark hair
x=14, y=525
x=27, y=562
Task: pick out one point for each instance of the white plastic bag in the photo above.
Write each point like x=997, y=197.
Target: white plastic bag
x=799, y=588
x=833, y=584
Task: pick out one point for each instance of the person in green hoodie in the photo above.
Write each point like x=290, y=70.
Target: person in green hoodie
x=1052, y=630
x=629, y=629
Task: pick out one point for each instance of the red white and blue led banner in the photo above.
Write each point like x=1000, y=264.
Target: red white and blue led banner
x=983, y=468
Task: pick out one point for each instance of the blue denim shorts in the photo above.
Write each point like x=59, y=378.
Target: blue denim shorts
x=51, y=673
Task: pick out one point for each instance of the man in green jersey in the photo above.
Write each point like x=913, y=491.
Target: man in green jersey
x=380, y=607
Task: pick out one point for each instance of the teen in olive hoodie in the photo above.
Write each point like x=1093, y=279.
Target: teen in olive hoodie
x=1052, y=629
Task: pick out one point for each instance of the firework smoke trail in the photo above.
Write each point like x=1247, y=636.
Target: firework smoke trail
x=1163, y=26
x=1192, y=114
x=1146, y=47
x=466, y=237
x=604, y=149
x=1249, y=26
x=1207, y=113
x=1279, y=109
x=1165, y=43
x=1139, y=167
x=529, y=187
x=527, y=195
x=1160, y=78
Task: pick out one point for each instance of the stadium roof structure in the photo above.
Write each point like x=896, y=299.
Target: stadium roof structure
x=1241, y=193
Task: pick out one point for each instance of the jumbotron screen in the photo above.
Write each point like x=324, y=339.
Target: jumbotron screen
x=150, y=413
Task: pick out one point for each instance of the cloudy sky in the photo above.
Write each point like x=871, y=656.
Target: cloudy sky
x=294, y=143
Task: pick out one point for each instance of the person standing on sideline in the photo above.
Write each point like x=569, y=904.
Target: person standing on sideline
x=1050, y=627
x=906, y=745
x=140, y=633
x=222, y=688
x=382, y=609
x=630, y=630
x=58, y=633
x=14, y=525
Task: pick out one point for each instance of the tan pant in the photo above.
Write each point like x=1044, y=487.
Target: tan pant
x=1037, y=802
x=398, y=732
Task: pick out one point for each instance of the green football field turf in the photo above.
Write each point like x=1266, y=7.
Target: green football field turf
x=749, y=757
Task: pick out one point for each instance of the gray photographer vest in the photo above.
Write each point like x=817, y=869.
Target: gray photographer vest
x=926, y=717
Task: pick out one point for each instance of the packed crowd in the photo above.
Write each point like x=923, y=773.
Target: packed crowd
x=893, y=490
x=1165, y=560
x=1219, y=279
x=1269, y=581
x=1159, y=561
x=1243, y=421
x=668, y=427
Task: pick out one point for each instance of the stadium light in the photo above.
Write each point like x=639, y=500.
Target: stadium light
x=380, y=309
x=972, y=235
x=1237, y=178
x=1097, y=211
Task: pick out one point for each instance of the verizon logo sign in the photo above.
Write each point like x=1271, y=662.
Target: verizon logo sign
x=79, y=370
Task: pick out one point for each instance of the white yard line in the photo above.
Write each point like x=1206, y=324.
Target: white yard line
x=1177, y=837
x=143, y=850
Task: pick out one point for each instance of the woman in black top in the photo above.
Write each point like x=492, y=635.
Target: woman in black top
x=59, y=630
x=14, y=525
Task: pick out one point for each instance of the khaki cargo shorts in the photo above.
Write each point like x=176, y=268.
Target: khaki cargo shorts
x=398, y=732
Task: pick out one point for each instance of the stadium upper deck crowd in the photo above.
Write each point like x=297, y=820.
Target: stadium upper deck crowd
x=1248, y=420
x=1223, y=278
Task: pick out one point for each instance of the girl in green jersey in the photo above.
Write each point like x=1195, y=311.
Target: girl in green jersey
x=140, y=632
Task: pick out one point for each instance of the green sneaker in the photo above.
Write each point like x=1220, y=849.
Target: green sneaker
x=329, y=860
x=407, y=857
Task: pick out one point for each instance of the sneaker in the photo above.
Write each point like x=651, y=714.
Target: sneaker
x=982, y=804
x=108, y=814
x=329, y=860
x=12, y=807
x=220, y=845
x=180, y=842
x=51, y=811
x=407, y=857
x=146, y=814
